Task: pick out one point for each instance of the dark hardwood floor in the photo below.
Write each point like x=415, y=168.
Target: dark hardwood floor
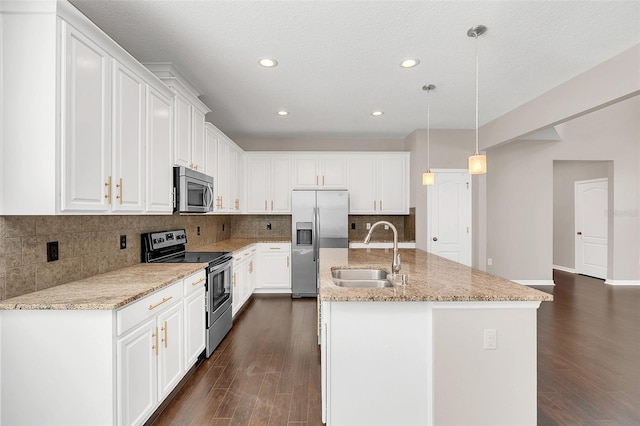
x=267, y=370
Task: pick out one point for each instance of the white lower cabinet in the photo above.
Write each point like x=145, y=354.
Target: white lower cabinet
x=244, y=277
x=274, y=268
x=194, y=318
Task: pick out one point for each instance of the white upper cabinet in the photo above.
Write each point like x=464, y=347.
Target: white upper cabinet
x=320, y=171
x=223, y=160
x=129, y=128
x=86, y=139
x=268, y=183
x=379, y=183
x=159, y=164
x=91, y=150
x=189, y=117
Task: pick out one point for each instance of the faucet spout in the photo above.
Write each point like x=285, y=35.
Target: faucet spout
x=395, y=264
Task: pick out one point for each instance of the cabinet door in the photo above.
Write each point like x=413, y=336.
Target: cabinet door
x=194, y=316
x=211, y=153
x=333, y=172
x=159, y=180
x=257, y=184
x=137, y=380
x=86, y=122
x=233, y=203
x=170, y=358
x=280, y=185
x=197, y=146
x=222, y=199
x=129, y=126
x=305, y=172
x=274, y=268
x=393, y=197
x=362, y=184
x=236, y=280
x=183, y=136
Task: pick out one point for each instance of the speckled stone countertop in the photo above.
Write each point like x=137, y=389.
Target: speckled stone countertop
x=430, y=278
x=237, y=244
x=107, y=291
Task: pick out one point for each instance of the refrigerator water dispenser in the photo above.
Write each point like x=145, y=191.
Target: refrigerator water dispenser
x=304, y=236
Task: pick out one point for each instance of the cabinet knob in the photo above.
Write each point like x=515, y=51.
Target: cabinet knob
x=579, y=233
x=435, y=238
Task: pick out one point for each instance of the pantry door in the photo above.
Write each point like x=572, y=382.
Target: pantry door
x=592, y=221
x=449, y=220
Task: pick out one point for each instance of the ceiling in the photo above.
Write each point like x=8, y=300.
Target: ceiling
x=339, y=60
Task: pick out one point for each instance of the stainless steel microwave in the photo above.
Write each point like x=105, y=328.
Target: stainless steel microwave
x=192, y=191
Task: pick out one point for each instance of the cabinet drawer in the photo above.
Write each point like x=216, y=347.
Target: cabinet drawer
x=244, y=253
x=148, y=306
x=275, y=247
x=194, y=282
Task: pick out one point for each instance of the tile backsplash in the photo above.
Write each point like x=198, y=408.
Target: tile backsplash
x=88, y=245
x=379, y=234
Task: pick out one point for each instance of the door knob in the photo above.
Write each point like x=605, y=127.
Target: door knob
x=579, y=233
x=435, y=238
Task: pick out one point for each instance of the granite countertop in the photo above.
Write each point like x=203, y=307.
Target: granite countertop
x=237, y=244
x=430, y=278
x=107, y=291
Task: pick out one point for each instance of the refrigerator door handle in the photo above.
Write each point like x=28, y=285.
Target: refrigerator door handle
x=314, y=234
x=318, y=233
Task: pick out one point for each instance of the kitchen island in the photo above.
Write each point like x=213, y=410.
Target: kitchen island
x=454, y=345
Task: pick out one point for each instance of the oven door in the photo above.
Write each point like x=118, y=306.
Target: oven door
x=218, y=290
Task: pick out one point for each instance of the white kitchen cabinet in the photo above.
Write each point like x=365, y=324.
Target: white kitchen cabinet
x=189, y=117
x=244, y=277
x=159, y=182
x=268, y=183
x=379, y=183
x=171, y=351
x=223, y=161
x=319, y=171
x=194, y=318
x=274, y=268
x=129, y=138
x=91, y=101
x=86, y=120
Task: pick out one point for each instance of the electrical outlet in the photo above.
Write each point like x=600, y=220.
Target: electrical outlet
x=489, y=261
x=368, y=226
x=353, y=226
x=198, y=229
x=269, y=226
x=123, y=242
x=52, y=251
x=490, y=339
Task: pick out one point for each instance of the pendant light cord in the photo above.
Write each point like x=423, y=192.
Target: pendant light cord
x=428, y=128
x=477, y=94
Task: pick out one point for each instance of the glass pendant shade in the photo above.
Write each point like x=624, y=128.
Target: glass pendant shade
x=428, y=178
x=477, y=164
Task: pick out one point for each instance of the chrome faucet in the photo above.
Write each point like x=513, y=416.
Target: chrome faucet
x=395, y=265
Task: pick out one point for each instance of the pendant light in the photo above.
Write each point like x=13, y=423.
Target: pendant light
x=428, y=178
x=477, y=161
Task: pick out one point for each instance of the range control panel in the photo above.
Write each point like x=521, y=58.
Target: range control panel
x=164, y=239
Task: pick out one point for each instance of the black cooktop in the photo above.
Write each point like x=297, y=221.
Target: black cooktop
x=194, y=257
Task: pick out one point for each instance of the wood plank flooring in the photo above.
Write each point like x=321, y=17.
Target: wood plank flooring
x=267, y=370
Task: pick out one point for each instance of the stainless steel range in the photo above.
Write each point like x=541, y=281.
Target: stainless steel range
x=169, y=247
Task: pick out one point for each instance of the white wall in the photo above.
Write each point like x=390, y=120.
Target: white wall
x=520, y=193
x=565, y=174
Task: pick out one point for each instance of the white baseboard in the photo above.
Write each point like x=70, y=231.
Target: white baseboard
x=564, y=269
x=622, y=282
x=534, y=282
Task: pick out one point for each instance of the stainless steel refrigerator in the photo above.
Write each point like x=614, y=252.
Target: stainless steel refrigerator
x=319, y=219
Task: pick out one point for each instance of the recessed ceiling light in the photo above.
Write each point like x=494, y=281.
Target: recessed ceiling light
x=377, y=113
x=283, y=113
x=409, y=63
x=268, y=62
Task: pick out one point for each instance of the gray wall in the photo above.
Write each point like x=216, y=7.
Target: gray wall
x=520, y=193
x=565, y=174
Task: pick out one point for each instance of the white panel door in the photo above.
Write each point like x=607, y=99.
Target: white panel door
x=392, y=185
x=197, y=147
x=305, y=172
x=222, y=202
x=333, y=172
x=195, y=324
x=137, y=374
x=86, y=118
x=257, y=184
x=159, y=180
x=592, y=223
x=129, y=127
x=182, y=138
x=171, y=351
x=280, y=187
x=362, y=184
x=449, y=220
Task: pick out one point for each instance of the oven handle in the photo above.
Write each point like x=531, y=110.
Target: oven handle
x=220, y=266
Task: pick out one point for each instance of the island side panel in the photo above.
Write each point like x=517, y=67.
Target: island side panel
x=378, y=366
x=57, y=367
x=473, y=385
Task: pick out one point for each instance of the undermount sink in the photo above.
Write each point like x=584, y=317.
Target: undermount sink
x=360, y=278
